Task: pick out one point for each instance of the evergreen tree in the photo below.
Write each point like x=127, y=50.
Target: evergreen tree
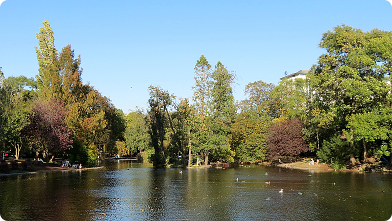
x=201, y=98
x=223, y=113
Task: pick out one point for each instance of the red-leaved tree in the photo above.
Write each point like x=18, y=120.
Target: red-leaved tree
x=47, y=130
x=285, y=139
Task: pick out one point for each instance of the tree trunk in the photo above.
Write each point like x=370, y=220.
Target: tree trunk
x=364, y=150
x=45, y=155
x=352, y=160
x=189, y=147
x=17, y=150
x=170, y=121
x=206, y=159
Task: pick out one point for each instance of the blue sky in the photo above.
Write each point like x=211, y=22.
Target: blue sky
x=125, y=46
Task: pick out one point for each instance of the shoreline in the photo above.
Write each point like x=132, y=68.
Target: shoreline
x=300, y=165
x=323, y=167
x=46, y=169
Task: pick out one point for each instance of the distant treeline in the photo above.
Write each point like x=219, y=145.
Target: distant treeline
x=341, y=111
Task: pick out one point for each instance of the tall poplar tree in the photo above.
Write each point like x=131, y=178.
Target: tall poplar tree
x=91, y=116
x=48, y=72
x=202, y=88
x=3, y=102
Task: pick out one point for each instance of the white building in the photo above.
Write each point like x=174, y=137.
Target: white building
x=300, y=74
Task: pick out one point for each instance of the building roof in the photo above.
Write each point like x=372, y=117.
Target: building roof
x=293, y=75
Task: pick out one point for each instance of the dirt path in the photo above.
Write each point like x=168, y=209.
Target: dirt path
x=304, y=164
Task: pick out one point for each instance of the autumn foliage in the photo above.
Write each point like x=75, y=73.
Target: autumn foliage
x=47, y=129
x=285, y=139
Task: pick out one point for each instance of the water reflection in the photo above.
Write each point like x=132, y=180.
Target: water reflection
x=123, y=190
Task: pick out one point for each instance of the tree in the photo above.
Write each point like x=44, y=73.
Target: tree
x=159, y=118
x=202, y=88
x=17, y=119
x=258, y=100
x=91, y=116
x=289, y=99
x=70, y=73
x=17, y=110
x=285, y=138
x=86, y=118
x=350, y=80
x=5, y=103
x=47, y=130
x=201, y=98
x=215, y=110
x=249, y=134
x=369, y=127
x=222, y=99
x=223, y=113
x=188, y=114
x=121, y=148
x=250, y=128
x=48, y=73
x=183, y=138
x=137, y=137
x=336, y=151
x=115, y=127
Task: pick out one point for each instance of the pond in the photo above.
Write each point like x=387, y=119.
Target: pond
x=123, y=190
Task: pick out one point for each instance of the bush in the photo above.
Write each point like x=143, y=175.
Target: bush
x=336, y=151
x=81, y=154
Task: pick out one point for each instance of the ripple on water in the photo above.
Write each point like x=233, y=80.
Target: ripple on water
x=137, y=192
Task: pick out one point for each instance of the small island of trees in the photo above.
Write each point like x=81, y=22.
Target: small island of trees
x=340, y=113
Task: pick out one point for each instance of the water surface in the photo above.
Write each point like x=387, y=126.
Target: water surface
x=123, y=190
